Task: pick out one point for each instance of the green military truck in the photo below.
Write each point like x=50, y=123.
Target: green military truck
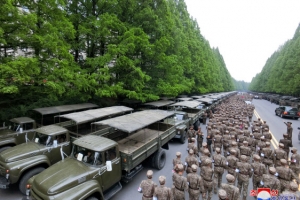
x=47, y=144
x=98, y=163
x=18, y=129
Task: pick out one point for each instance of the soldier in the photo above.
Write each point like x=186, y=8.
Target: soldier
x=267, y=156
x=287, y=144
x=204, y=156
x=257, y=135
x=204, y=146
x=246, y=151
x=217, y=141
x=209, y=142
x=244, y=171
x=219, y=164
x=267, y=135
x=226, y=140
x=236, y=148
x=222, y=195
x=231, y=190
x=285, y=175
x=231, y=162
x=289, y=130
x=295, y=161
x=292, y=192
x=250, y=115
x=189, y=161
x=251, y=142
x=192, y=145
x=207, y=174
x=240, y=138
x=191, y=133
x=246, y=131
x=195, y=183
x=177, y=161
x=258, y=170
x=279, y=154
x=162, y=192
x=199, y=138
x=179, y=184
x=147, y=187
x=260, y=145
x=270, y=180
x=204, y=117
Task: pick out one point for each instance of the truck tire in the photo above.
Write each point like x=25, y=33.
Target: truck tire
x=159, y=159
x=27, y=176
x=4, y=148
x=183, y=137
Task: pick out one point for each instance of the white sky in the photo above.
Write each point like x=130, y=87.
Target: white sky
x=247, y=32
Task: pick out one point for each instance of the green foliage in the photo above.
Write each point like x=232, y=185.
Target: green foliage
x=78, y=51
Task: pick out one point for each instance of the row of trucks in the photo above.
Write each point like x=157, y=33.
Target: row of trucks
x=89, y=158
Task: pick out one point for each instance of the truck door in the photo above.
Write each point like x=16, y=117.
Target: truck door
x=58, y=142
x=109, y=178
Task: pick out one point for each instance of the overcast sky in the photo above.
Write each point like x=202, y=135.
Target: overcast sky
x=247, y=32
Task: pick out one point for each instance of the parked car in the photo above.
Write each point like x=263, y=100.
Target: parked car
x=287, y=111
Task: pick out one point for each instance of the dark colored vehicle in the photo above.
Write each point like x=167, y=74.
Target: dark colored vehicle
x=287, y=111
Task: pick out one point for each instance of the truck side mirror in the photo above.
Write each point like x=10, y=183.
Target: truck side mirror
x=108, y=166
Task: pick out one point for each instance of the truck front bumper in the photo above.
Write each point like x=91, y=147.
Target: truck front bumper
x=4, y=184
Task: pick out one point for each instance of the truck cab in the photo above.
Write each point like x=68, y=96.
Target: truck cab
x=19, y=163
x=16, y=132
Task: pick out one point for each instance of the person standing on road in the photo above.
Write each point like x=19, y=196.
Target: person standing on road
x=177, y=161
x=162, y=192
x=267, y=156
x=231, y=190
x=231, y=162
x=195, y=183
x=199, y=138
x=191, y=133
x=285, y=175
x=279, y=154
x=270, y=180
x=258, y=170
x=289, y=130
x=189, y=161
x=179, y=184
x=267, y=134
x=147, y=187
x=217, y=141
x=219, y=164
x=193, y=146
x=207, y=175
x=222, y=194
x=287, y=144
x=291, y=192
x=295, y=161
x=246, y=151
x=244, y=171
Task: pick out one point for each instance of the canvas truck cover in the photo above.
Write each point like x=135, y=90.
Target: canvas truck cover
x=94, y=114
x=64, y=108
x=159, y=103
x=135, y=121
x=189, y=104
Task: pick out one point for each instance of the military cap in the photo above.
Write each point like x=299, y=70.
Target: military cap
x=285, y=135
x=232, y=136
x=272, y=170
x=191, y=151
x=293, y=149
x=226, y=131
x=262, y=137
x=230, y=178
x=232, y=151
x=194, y=167
x=207, y=161
x=162, y=179
x=180, y=167
x=178, y=153
x=246, y=126
x=213, y=126
x=234, y=143
x=256, y=129
x=149, y=173
x=251, y=134
x=206, y=151
x=208, y=127
x=218, y=149
x=245, y=142
x=222, y=194
x=193, y=139
x=266, y=128
x=283, y=161
x=268, y=143
x=281, y=145
x=244, y=158
x=204, y=144
x=256, y=157
x=293, y=186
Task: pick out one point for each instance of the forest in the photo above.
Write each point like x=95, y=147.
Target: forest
x=281, y=73
x=55, y=52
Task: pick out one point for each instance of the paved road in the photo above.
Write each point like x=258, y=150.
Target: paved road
x=264, y=109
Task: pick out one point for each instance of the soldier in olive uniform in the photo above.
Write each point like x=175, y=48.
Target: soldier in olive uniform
x=147, y=187
x=270, y=180
x=207, y=175
x=217, y=141
x=289, y=130
x=236, y=148
x=251, y=142
x=257, y=135
x=267, y=135
x=258, y=170
x=246, y=131
x=195, y=183
x=285, y=175
x=244, y=171
x=240, y=138
x=260, y=145
x=219, y=164
x=231, y=190
x=222, y=194
x=179, y=184
x=191, y=133
x=267, y=155
x=295, y=161
x=246, y=151
x=199, y=138
x=231, y=162
x=177, y=161
x=204, y=146
x=162, y=192
x=292, y=192
x=287, y=144
x=204, y=156
x=279, y=154
x=226, y=143
x=193, y=146
x=189, y=161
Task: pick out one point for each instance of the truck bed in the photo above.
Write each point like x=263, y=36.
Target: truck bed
x=138, y=139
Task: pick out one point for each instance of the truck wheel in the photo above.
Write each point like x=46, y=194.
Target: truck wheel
x=159, y=159
x=27, y=176
x=183, y=137
x=4, y=148
x=92, y=198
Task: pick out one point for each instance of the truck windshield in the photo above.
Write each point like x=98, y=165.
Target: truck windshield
x=86, y=155
x=43, y=139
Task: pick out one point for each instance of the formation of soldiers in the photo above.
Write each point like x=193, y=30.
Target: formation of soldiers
x=234, y=144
